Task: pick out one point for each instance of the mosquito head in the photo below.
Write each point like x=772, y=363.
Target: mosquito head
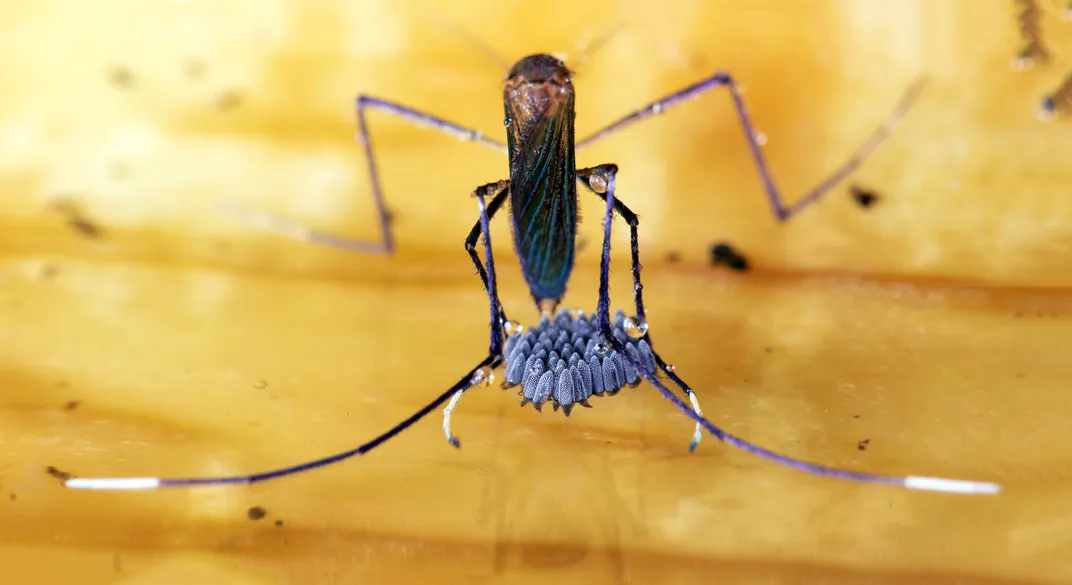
x=563, y=360
x=539, y=69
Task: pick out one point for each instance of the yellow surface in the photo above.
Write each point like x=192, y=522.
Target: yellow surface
x=936, y=324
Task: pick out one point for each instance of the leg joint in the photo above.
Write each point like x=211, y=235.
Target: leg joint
x=489, y=189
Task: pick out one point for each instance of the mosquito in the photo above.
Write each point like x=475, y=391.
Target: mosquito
x=568, y=357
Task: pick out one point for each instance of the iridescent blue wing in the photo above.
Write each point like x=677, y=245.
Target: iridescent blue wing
x=543, y=194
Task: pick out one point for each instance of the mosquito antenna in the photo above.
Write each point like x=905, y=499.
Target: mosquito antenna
x=478, y=43
x=589, y=48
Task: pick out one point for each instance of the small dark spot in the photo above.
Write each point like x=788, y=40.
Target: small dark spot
x=582, y=243
x=12, y=496
x=278, y=523
x=256, y=513
x=85, y=227
x=864, y=197
x=768, y=349
x=76, y=219
x=260, y=384
x=723, y=253
x=229, y=100
x=56, y=473
x=195, y=68
x=47, y=271
x=855, y=416
x=673, y=257
x=71, y=405
x=121, y=77
x=862, y=445
x=1019, y=374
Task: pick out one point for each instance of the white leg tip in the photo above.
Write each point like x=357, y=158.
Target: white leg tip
x=695, y=442
x=958, y=486
x=125, y=483
x=698, y=433
x=446, y=416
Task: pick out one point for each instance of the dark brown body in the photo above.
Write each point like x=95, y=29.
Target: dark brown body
x=538, y=102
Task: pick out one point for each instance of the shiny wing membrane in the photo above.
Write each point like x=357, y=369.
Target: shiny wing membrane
x=544, y=200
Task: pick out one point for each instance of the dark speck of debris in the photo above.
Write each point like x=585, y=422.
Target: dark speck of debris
x=768, y=349
x=71, y=405
x=121, y=77
x=862, y=445
x=864, y=197
x=12, y=496
x=85, y=227
x=229, y=100
x=76, y=219
x=278, y=523
x=723, y=253
x=673, y=257
x=855, y=416
x=256, y=513
x=47, y=271
x=56, y=473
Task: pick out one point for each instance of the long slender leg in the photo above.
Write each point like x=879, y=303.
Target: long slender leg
x=474, y=376
x=501, y=189
x=596, y=179
x=781, y=211
x=385, y=245
x=603, y=319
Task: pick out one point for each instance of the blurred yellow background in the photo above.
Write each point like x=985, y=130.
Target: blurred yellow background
x=935, y=324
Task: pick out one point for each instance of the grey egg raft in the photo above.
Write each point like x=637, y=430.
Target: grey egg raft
x=564, y=360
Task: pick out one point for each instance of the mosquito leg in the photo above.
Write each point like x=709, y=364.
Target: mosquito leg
x=722, y=79
x=385, y=244
x=501, y=190
x=604, y=323
x=597, y=180
x=475, y=376
x=1058, y=102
